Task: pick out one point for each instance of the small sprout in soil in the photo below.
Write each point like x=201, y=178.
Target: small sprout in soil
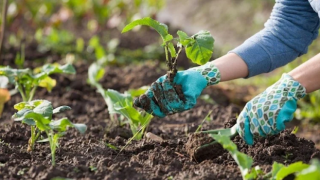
x=207, y=118
x=38, y=114
x=22, y=171
x=295, y=130
x=2, y=164
x=121, y=104
x=26, y=81
x=287, y=157
x=111, y=146
x=61, y=178
x=93, y=168
x=198, y=47
x=207, y=99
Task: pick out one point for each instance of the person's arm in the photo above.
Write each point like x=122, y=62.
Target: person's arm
x=291, y=28
x=308, y=74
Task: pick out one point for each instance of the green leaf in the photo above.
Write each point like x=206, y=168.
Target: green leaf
x=138, y=92
x=30, y=122
x=20, y=106
x=291, y=169
x=48, y=83
x=312, y=172
x=200, y=48
x=276, y=168
x=54, y=68
x=80, y=127
x=244, y=161
x=19, y=116
x=184, y=39
x=61, y=109
x=41, y=122
x=162, y=29
x=172, y=50
x=168, y=38
x=95, y=73
x=13, y=74
x=111, y=146
x=45, y=109
x=112, y=97
x=61, y=125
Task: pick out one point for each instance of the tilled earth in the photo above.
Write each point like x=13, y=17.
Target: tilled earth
x=88, y=156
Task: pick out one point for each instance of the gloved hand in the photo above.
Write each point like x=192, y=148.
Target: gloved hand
x=161, y=98
x=267, y=113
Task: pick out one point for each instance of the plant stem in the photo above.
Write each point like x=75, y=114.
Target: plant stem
x=22, y=93
x=32, y=92
x=52, y=148
x=167, y=57
x=3, y=26
x=32, y=139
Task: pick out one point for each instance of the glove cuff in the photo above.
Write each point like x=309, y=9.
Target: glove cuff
x=291, y=87
x=210, y=72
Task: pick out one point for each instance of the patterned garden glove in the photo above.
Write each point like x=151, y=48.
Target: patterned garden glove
x=161, y=98
x=267, y=113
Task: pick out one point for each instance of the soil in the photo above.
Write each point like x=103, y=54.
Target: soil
x=88, y=156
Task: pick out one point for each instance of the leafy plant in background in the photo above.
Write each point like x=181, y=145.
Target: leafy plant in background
x=60, y=41
x=310, y=107
x=27, y=81
x=297, y=170
x=38, y=113
x=119, y=103
x=198, y=48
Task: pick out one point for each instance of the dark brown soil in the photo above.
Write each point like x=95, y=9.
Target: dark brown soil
x=88, y=156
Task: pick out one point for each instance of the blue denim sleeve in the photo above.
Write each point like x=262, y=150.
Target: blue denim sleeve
x=291, y=28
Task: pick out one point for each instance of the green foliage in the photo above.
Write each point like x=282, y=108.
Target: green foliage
x=309, y=107
x=38, y=114
x=199, y=47
x=162, y=29
x=279, y=171
x=244, y=161
x=27, y=81
x=119, y=103
x=60, y=41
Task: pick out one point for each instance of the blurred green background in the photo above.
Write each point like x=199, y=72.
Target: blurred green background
x=89, y=31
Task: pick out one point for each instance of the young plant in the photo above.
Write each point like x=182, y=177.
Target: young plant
x=119, y=103
x=297, y=170
x=38, y=113
x=198, y=47
x=27, y=81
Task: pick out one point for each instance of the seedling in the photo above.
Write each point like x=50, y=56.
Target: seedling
x=38, y=113
x=228, y=132
x=297, y=170
x=27, y=81
x=198, y=47
x=119, y=103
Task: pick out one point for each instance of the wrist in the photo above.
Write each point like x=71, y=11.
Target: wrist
x=210, y=72
x=290, y=87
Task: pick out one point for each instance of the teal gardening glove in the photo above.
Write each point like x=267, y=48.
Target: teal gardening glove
x=162, y=99
x=267, y=113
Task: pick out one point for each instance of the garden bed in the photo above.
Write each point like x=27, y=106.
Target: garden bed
x=88, y=157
